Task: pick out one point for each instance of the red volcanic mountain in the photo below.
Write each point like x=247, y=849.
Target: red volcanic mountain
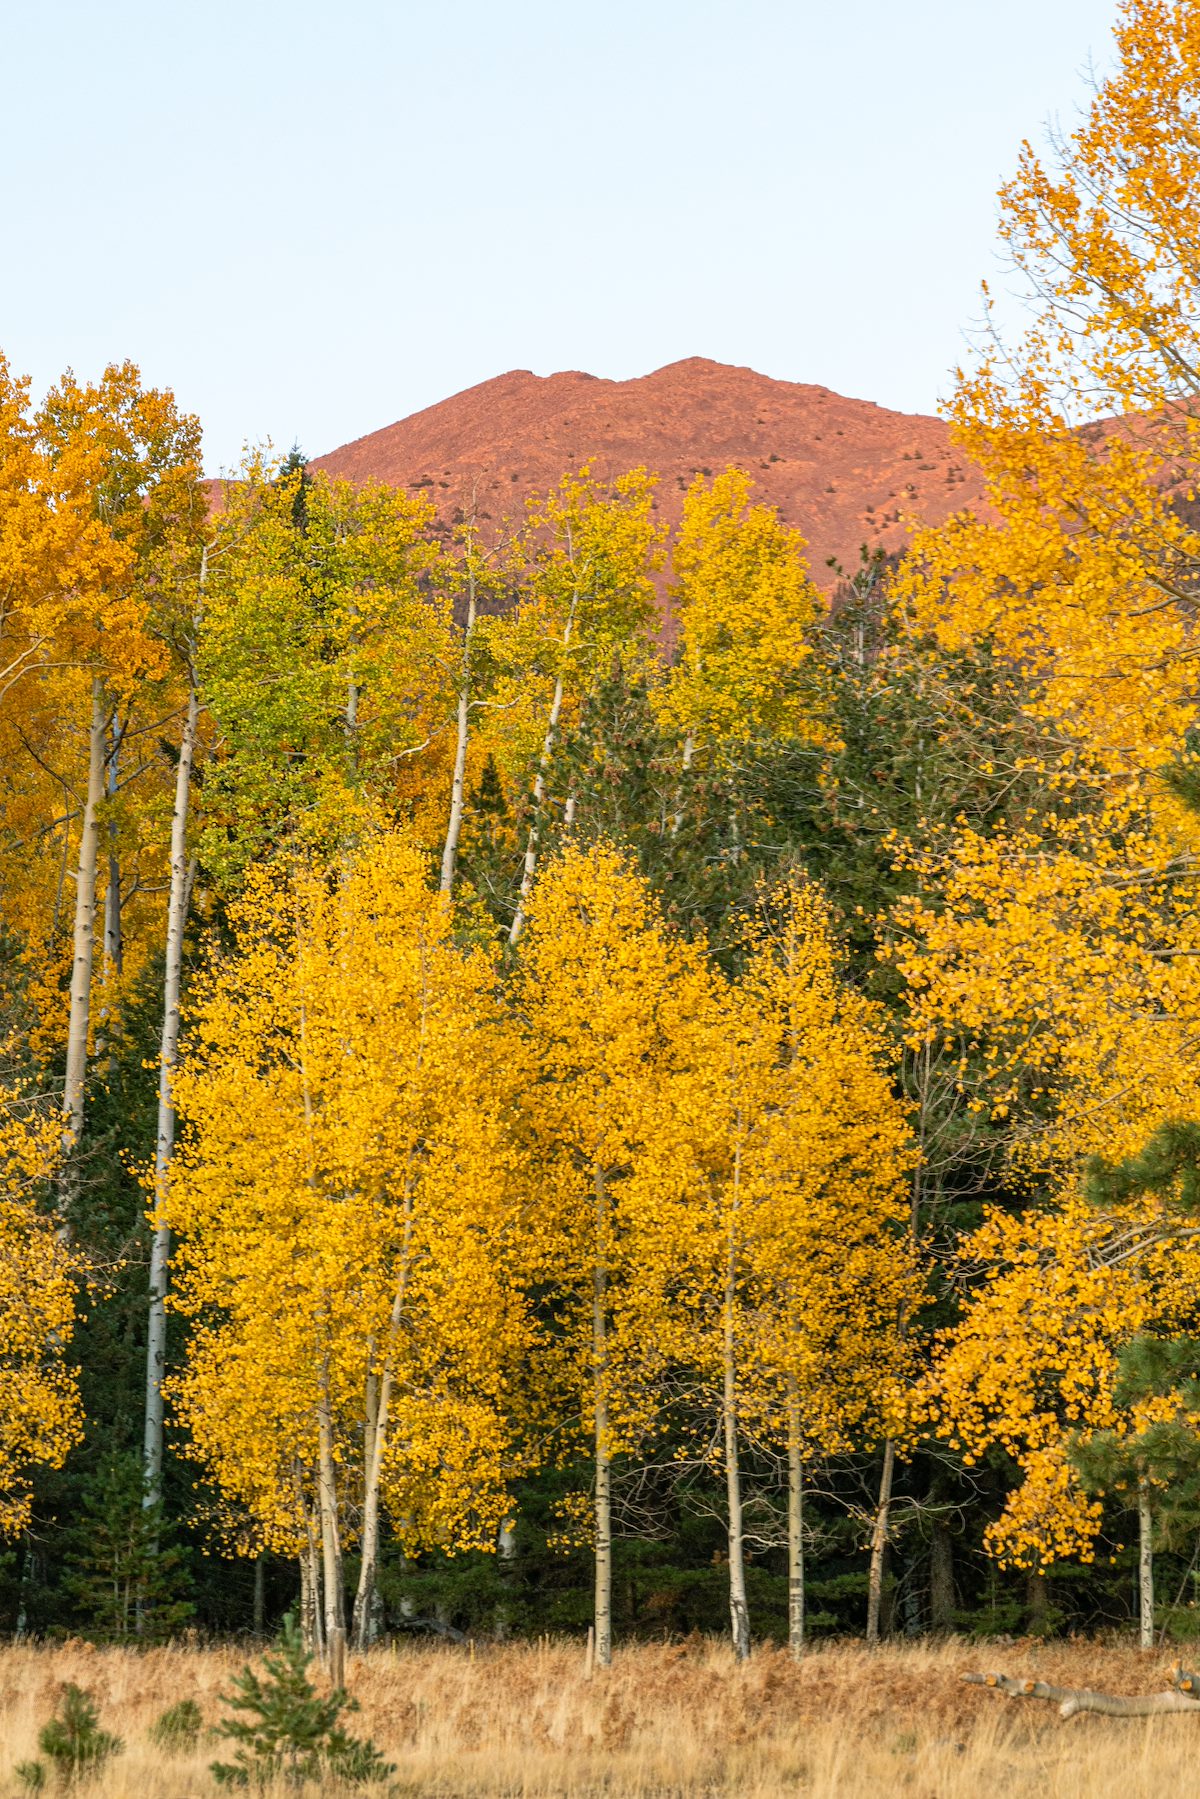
x=844, y=472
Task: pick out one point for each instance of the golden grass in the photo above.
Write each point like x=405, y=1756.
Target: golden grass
x=664, y=1721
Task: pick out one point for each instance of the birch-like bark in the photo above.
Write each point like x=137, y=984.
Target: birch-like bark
x=84, y=945
x=312, y=1628
x=454, y=823
x=539, y=789
x=365, y=1619
x=331, y=1539
x=689, y=751
x=739, y=1610
x=1145, y=1567
x=879, y=1537
x=506, y=1558
x=795, y=1527
x=113, y=948
x=603, y=1460
x=168, y=1055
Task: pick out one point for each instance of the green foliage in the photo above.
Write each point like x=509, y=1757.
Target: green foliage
x=179, y=1726
x=1168, y=1166
x=128, y=1574
x=287, y=1731
x=72, y=1741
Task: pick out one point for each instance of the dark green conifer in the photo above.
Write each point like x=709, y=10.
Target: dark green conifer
x=287, y=1731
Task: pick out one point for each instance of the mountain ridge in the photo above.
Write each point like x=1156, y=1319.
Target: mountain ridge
x=843, y=471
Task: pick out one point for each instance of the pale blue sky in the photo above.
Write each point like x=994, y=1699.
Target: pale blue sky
x=311, y=220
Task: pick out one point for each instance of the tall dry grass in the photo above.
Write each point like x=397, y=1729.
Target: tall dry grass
x=523, y=1719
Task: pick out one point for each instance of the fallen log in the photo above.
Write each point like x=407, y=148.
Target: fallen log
x=1182, y=1696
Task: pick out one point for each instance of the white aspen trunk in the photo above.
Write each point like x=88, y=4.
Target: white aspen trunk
x=113, y=950
x=168, y=1056
x=506, y=1556
x=84, y=938
x=1145, y=1567
x=795, y=1528
x=739, y=1610
x=454, y=824
x=311, y=1610
x=603, y=1606
x=879, y=1537
x=331, y=1540
x=689, y=750
x=539, y=790
x=365, y=1620
x=351, y=726
x=569, y=812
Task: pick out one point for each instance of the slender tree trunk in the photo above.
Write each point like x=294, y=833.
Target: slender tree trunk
x=603, y=1462
x=454, y=826
x=113, y=948
x=260, y=1594
x=168, y=1055
x=539, y=791
x=331, y=1538
x=506, y=1559
x=689, y=751
x=739, y=1611
x=795, y=1527
x=84, y=940
x=879, y=1537
x=1145, y=1567
x=312, y=1622
x=365, y=1621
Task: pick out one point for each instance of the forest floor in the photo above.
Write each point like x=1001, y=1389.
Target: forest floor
x=664, y=1721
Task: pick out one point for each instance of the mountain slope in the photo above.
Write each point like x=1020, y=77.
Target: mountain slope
x=844, y=472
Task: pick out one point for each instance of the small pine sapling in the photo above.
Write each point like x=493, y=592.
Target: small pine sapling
x=72, y=1740
x=287, y=1730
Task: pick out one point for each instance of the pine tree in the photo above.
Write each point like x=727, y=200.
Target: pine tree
x=287, y=1730
x=72, y=1740
x=128, y=1575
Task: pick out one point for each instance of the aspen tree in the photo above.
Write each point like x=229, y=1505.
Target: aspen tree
x=182, y=874
x=477, y=576
x=745, y=607
x=593, y=554
x=344, y=1198
x=1085, y=425
x=607, y=998
x=128, y=456
x=771, y=1204
x=328, y=665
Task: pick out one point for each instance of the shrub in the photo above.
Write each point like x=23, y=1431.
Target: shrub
x=287, y=1730
x=72, y=1740
x=179, y=1727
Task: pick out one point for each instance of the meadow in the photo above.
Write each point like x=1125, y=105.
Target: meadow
x=664, y=1721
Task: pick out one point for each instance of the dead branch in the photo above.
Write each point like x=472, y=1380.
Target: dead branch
x=1182, y=1696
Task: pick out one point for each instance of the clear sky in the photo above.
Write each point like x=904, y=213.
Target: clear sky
x=313, y=219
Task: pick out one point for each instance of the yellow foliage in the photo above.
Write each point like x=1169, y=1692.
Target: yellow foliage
x=345, y=1198
x=745, y=606
x=40, y=1414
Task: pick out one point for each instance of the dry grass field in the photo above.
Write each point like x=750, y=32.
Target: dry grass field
x=663, y=1721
